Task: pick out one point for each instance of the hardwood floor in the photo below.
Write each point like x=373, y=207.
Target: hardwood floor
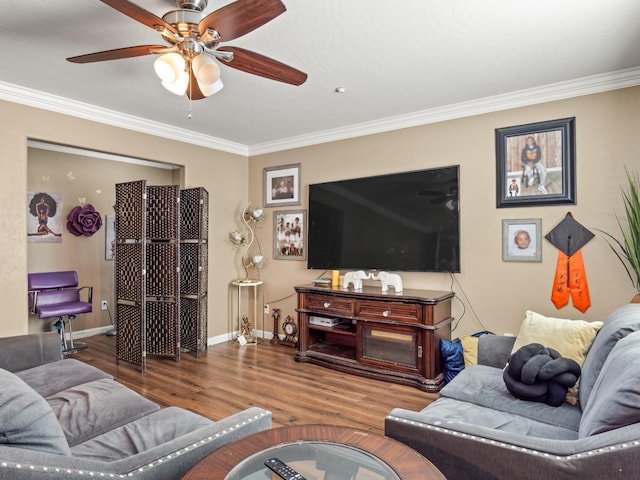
x=229, y=378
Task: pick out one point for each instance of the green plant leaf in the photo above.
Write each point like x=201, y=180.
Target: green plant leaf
x=628, y=248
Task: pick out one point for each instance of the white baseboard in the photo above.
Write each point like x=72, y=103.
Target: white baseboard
x=91, y=332
x=232, y=335
x=225, y=337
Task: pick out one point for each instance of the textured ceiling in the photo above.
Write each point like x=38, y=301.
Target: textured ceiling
x=399, y=62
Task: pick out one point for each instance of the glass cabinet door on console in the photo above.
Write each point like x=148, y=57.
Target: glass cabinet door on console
x=386, y=346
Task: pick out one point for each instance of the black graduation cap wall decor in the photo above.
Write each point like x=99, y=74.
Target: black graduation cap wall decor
x=570, y=280
x=569, y=235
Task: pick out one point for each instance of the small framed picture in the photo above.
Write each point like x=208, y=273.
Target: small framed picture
x=522, y=240
x=282, y=185
x=289, y=235
x=535, y=164
x=110, y=237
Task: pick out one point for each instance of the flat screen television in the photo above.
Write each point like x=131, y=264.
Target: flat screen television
x=405, y=221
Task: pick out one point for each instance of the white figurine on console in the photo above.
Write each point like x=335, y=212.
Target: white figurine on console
x=355, y=278
x=389, y=280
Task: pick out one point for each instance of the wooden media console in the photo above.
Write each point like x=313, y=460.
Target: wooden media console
x=384, y=335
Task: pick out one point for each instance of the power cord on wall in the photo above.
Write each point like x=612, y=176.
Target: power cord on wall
x=113, y=332
x=464, y=308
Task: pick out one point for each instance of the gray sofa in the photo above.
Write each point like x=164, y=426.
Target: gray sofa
x=477, y=429
x=61, y=418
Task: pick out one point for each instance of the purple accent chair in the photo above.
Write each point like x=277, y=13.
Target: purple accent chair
x=57, y=295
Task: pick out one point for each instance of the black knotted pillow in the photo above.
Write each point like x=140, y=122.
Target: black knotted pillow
x=540, y=374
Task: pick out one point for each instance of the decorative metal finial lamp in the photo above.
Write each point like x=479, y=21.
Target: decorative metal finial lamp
x=250, y=217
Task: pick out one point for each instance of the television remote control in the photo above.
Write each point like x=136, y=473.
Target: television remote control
x=283, y=470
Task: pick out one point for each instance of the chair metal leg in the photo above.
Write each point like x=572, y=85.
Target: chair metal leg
x=59, y=326
x=71, y=347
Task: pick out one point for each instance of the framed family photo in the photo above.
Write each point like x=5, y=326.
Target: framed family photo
x=282, y=185
x=522, y=240
x=289, y=235
x=535, y=164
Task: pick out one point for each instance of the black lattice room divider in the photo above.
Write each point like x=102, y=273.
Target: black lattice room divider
x=154, y=314
x=163, y=272
x=194, y=256
x=130, y=264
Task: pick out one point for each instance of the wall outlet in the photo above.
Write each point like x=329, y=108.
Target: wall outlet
x=266, y=308
x=104, y=305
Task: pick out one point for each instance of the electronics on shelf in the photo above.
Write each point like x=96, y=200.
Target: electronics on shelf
x=324, y=321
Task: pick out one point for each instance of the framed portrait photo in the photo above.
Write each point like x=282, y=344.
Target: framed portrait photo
x=522, y=240
x=535, y=164
x=282, y=186
x=110, y=237
x=289, y=235
x=45, y=217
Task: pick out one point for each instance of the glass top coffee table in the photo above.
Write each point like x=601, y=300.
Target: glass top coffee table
x=318, y=452
x=315, y=460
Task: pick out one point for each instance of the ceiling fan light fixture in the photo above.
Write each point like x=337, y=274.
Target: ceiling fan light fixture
x=169, y=67
x=208, y=90
x=179, y=87
x=186, y=64
x=205, y=69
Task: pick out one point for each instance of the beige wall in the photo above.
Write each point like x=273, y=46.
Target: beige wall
x=93, y=179
x=497, y=292
x=223, y=175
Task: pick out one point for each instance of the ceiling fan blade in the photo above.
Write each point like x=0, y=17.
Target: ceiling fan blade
x=140, y=14
x=241, y=17
x=252, y=62
x=117, y=53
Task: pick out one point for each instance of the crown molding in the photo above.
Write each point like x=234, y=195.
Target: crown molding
x=548, y=93
x=55, y=103
x=56, y=147
x=557, y=91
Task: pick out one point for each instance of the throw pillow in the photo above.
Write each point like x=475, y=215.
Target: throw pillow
x=616, y=394
x=452, y=358
x=540, y=374
x=470, y=350
x=571, y=338
x=618, y=324
x=27, y=420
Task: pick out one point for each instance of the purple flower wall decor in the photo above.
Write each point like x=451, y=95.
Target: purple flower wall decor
x=84, y=221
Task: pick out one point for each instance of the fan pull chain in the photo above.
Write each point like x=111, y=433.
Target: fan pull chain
x=190, y=95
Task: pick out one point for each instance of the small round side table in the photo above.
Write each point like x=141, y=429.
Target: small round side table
x=249, y=284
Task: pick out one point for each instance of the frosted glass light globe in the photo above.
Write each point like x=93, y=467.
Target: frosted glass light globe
x=169, y=67
x=205, y=69
x=179, y=87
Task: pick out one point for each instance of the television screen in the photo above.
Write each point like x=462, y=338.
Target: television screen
x=399, y=222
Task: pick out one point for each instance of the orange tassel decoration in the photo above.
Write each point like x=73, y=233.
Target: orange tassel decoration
x=571, y=281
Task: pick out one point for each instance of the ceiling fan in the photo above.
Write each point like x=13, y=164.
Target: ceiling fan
x=186, y=64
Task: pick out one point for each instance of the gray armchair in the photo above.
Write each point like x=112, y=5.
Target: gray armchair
x=476, y=429
x=61, y=418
